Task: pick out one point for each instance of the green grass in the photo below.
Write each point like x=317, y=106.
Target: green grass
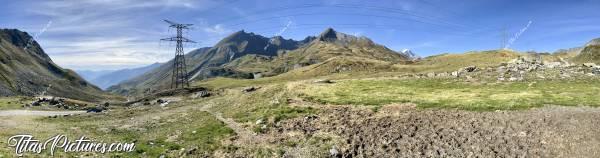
x=267, y=103
x=164, y=136
x=9, y=103
x=439, y=93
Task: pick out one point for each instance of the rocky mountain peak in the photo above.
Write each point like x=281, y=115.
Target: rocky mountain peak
x=15, y=37
x=22, y=40
x=594, y=42
x=328, y=35
x=409, y=54
x=237, y=36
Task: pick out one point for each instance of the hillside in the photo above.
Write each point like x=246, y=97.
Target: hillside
x=31, y=71
x=245, y=55
x=590, y=53
x=330, y=52
x=452, y=62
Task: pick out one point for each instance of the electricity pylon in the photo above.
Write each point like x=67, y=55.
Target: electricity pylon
x=180, y=76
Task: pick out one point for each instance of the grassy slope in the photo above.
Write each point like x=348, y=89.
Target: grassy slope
x=369, y=68
x=251, y=63
x=7, y=103
x=441, y=93
x=453, y=62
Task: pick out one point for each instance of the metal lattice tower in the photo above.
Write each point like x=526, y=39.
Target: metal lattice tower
x=180, y=76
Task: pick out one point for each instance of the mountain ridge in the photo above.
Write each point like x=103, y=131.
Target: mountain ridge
x=590, y=53
x=278, y=54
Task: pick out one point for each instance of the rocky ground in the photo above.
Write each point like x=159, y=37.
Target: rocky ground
x=521, y=69
x=403, y=131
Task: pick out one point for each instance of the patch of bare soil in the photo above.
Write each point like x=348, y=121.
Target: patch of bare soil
x=403, y=131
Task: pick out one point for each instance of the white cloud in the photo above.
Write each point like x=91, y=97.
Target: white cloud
x=216, y=29
x=107, y=34
x=100, y=53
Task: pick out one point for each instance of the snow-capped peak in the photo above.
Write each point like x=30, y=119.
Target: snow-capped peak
x=408, y=53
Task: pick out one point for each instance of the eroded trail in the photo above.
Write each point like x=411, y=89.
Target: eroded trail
x=244, y=136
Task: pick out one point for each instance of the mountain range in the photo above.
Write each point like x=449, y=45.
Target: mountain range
x=27, y=70
x=248, y=55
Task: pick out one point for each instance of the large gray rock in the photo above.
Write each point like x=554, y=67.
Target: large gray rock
x=596, y=70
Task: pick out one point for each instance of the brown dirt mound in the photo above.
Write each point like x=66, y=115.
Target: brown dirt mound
x=399, y=131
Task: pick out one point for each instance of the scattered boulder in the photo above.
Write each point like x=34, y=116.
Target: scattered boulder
x=469, y=69
x=443, y=74
x=455, y=74
x=430, y=75
x=333, y=152
x=95, y=109
x=202, y=94
x=323, y=81
x=552, y=64
x=165, y=103
x=591, y=65
x=54, y=102
x=259, y=121
x=250, y=89
x=192, y=151
x=517, y=69
x=596, y=70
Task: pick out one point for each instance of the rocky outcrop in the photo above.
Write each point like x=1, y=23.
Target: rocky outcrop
x=516, y=69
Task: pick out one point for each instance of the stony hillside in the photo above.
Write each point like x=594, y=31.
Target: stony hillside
x=590, y=53
x=30, y=71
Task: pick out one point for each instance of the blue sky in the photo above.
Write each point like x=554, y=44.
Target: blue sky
x=114, y=34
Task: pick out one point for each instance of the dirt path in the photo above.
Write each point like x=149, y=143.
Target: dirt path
x=37, y=113
x=244, y=135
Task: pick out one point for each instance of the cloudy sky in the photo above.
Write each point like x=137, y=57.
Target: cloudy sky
x=114, y=34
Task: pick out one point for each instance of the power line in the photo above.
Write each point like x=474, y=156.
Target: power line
x=180, y=76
